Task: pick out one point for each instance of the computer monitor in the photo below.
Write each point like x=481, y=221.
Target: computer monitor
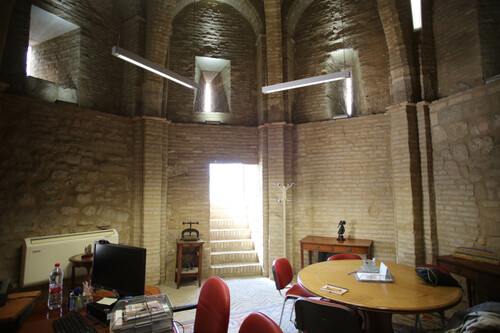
x=119, y=268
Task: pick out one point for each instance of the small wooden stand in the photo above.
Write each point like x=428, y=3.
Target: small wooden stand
x=185, y=249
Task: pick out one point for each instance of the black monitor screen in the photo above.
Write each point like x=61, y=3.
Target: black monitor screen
x=119, y=268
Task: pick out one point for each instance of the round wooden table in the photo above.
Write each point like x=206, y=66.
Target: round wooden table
x=376, y=300
x=80, y=261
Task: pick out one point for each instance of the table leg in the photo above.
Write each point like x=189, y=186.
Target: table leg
x=310, y=257
x=377, y=322
x=72, y=275
x=469, y=292
x=301, y=258
x=88, y=274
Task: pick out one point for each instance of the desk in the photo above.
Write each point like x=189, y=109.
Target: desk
x=79, y=261
x=16, y=309
x=331, y=244
x=484, y=273
x=378, y=301
x=41, y=318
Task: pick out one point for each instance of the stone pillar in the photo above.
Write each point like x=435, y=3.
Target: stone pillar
x=427, y=55
x=150, y=227
x=274, y=48
x=430, y=237
x=396, y=21
x=276, y=174
x=260, y=46
x=5, y=13
x=133, y=32
x=159, y=17
x=407, y=184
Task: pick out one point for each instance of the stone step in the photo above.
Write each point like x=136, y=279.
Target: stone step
x=230, y=234
x=231, y=245
x=228, y=223
x=240, y=269
x=222, y=213
x=218, y=258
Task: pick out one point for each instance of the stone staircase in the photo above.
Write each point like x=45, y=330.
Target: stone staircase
x=232, y=249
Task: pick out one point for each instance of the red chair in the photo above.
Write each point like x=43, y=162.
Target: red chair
x=259, y=322
x=212, y=309
x=344, y=256
x=283, y=276
x=316, y=316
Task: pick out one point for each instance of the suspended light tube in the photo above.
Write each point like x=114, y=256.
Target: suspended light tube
x=306, y=82
x=152, y=67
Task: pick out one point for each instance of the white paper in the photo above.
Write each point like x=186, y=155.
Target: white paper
x=383, y=269
x=107, y=301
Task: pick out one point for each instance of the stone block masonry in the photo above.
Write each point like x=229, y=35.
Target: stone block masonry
x=465, y=131
x=63, y=170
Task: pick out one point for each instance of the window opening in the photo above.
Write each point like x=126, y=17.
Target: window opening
x=214, y=85
x=54, y=48
x=416, y=10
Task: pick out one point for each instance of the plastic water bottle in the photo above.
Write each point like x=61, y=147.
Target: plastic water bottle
x=55, y=287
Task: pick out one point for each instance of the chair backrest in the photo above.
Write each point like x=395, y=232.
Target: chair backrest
x=313, y=316
x=344, y=256
x=212, y=311
x=259, y=322
x=283, y=273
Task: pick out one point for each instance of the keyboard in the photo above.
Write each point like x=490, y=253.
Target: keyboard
x=73, y=322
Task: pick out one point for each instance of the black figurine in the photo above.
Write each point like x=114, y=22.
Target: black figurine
x=341, y=230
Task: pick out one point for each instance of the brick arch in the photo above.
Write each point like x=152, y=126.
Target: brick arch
x=244, y=7
x=296, y=9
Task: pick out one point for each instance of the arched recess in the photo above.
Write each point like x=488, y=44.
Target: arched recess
x=217, y=31
x=244, y=7
x=320, y=29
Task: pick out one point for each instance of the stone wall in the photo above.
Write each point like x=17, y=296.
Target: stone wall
x=342, y=171
x=62, y=170
x=58, y=60
x=191, y=150
x=215, y=30
x=466, y=136
x=458, y=50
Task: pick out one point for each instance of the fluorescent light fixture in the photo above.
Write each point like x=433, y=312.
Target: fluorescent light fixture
x=152, y=67
x=306, y=82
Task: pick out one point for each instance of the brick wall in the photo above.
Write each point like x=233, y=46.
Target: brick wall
x=465, y=135
x=191, y=149
x=458, y=55
x=58, y=60
x=215, y=30
x=342, y=171
x=63, y=170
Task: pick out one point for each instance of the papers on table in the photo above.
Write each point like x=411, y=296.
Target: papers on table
x=382, y=276
x=334, y=289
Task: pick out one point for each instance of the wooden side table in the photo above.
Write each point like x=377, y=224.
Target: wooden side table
x=80, y=261
x=331, y=244
x=482, y=272
x=189, y=260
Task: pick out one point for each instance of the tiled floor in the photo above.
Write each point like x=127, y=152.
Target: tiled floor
x=254, y=294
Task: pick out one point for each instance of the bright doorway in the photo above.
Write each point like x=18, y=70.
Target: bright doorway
x=236, y=219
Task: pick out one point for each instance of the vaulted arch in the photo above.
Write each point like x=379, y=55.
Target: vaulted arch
x=244, y=7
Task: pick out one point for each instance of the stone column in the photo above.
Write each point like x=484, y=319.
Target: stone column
x=430, y=237
x=5, y=13
x=396, y=21
x=159, y=17
x=407, y=184
x=151, y=176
